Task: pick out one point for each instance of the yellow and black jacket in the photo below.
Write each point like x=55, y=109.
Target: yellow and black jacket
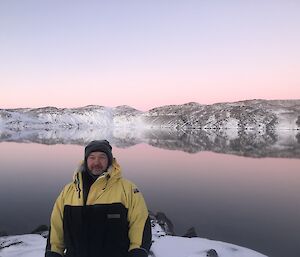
x=110, y=221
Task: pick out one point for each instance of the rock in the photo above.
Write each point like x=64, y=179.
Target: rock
x=3, y=233
x=165, y=223
x=212, y=253
x=191, y=232
x=40, y=229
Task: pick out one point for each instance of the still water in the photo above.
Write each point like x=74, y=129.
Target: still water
x=252, y=202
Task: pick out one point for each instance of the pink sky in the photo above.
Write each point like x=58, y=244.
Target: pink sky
x=148, y=54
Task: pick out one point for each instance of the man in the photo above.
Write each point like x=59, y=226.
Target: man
x=99, y=214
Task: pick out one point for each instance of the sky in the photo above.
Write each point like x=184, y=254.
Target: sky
x=146, y=53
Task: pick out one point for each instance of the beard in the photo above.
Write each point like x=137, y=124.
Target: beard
x=97, y=170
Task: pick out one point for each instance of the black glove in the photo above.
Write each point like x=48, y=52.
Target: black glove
x=138, y=252
x=52, y=254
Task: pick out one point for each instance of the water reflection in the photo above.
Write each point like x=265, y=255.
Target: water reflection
x=252, y=202
x=250, y=143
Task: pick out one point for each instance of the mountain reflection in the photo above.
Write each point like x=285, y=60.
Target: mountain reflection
x=249, y=143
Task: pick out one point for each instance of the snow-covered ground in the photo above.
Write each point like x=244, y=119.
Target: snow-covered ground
x=33, y=245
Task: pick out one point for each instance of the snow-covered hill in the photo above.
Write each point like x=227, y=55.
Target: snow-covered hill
x=260, y=115
x=255, y=128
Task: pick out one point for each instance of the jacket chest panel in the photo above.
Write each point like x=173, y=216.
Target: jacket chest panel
x=98, y=228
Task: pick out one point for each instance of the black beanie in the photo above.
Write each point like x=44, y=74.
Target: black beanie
x=99, y=146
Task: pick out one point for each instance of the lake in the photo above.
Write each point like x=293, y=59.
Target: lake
x=251, y=202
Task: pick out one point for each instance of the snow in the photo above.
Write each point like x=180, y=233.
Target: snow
x=33, y=245
x=173, y=246
x=22, y=246
x=166, y=246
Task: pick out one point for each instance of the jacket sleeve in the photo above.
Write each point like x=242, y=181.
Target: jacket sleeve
x=55, y=242
x=139, y=225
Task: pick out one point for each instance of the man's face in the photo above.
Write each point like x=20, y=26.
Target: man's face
x=97, y=162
